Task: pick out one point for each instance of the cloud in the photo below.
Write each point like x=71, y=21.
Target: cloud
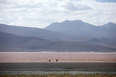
x=41, y=13
x=76, y=6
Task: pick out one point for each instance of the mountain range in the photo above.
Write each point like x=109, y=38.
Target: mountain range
x=87, y=33
x=65, y=36
x=81, y=29
x=10, y=42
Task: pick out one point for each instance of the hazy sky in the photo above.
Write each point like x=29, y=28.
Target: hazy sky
x=41, y=13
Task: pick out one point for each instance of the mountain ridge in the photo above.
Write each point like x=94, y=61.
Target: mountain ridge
x=85, y=32
x=81, y=29
x=71, y=33
x=10, y=42
x=33, y=32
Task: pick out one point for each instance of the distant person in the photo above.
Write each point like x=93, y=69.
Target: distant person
x=56, y=60
x=50, y=60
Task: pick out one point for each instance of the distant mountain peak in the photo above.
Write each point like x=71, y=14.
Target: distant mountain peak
x=78, y=20
x=73, y=21
x=110, y=24
x=67, y=24
x=66, y=20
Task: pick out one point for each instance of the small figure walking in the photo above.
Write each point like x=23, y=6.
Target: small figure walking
x=56, y=60
x=50, y=60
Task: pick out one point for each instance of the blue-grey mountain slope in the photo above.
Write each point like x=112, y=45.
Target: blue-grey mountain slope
x=82, y=29
x=10, y=42
x=33, y=32
x=85, y=32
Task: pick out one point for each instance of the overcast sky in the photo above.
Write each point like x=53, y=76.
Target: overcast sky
x=41, y=13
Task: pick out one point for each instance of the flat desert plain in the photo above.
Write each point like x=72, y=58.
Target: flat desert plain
x=10, y=57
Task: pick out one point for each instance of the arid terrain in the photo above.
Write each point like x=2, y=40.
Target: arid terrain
x=9, y=57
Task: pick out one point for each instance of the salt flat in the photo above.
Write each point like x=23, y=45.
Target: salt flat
x=68, y=62
x=10, y=57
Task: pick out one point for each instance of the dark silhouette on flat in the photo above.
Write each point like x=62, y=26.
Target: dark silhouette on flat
x=50, y=60
x=56, y=60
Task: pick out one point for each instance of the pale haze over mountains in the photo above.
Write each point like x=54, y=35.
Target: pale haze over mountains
x=65, y=36
x=41, y=13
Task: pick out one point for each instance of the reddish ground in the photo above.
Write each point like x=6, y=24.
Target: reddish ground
x=61, y=56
